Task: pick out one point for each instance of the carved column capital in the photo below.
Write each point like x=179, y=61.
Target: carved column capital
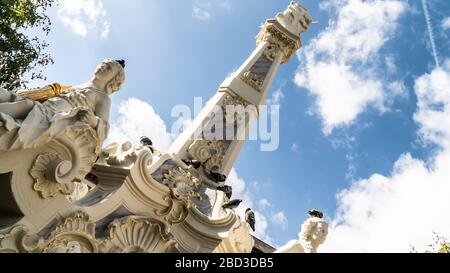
x=279, y=39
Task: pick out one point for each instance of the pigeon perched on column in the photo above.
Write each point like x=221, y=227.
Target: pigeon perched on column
x=233, y=204
x=194, y=163
x=217, y=177
x=228, y=190
x=250, y=218
x=147, y=142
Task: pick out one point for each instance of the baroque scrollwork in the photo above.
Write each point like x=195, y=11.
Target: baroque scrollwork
x=10, y=242
x=209, y=152
x=75, y=235
x=182, y=183
x=123, y=155
x=50, y=165
x=138, y=235
x=239, y=240
x=53, y=175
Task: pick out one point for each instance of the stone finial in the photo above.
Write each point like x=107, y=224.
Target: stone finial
x=295, y=18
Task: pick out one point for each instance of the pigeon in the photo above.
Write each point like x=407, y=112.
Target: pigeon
x=217, y=177
x=250, y=218
x=315, y=213
x=232, y=204
x=146, y=142
x=121, y=62
x=194, y=163
x=228, y=190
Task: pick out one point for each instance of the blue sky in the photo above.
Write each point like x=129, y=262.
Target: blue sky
x=355, y=125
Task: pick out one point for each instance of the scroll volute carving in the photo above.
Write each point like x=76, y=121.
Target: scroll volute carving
x=209, y=152
x=55, y=172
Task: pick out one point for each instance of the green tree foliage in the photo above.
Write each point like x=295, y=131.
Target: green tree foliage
x=21, y=53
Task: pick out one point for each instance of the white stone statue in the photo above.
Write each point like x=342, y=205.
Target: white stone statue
x=295, y=18
x=313, y=234
x=26, y=123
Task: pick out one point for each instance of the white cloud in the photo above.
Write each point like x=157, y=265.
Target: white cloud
x=446, y=23
x=433, y=93
x=294, y=148
x=339, y=66
x=202, y=9
x=200, y=13
x=263, y=204
x=276, y=97
x=280, y=220
x=392, y=213
x=84, y=17
x=137, y=118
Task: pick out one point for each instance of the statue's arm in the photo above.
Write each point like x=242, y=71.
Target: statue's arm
x=103, y=109
x=102, y=113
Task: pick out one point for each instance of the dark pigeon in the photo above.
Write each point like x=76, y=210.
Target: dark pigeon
x=147, y=142
x=233, y=204
x=250, y=218
x=194, y=163
x=228, y=190
x=217, y=177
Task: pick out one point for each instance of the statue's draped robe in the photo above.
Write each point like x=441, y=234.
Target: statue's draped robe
x=46, y=121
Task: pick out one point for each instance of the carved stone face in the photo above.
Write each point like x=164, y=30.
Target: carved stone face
x=112, y=74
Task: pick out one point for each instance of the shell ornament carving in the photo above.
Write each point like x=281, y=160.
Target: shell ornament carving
x=138, y=235
x=75, y=235
x=182, y=183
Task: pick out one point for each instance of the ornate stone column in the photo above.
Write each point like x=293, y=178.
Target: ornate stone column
x=248, y=87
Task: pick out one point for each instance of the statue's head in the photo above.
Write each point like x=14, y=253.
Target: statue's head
x=295, y=18
x=111, y=75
